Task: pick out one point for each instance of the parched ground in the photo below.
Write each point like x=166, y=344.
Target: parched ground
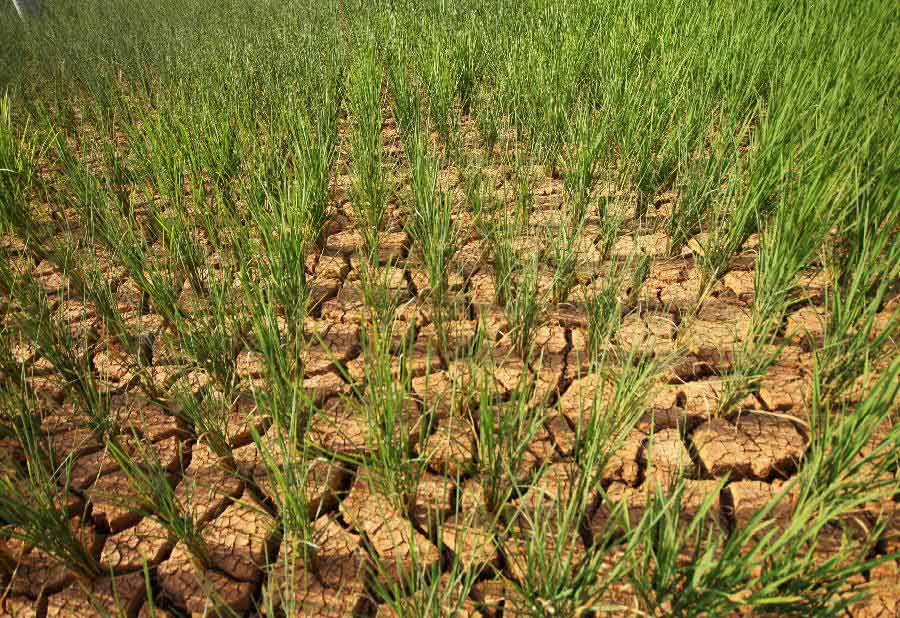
x=757, y=446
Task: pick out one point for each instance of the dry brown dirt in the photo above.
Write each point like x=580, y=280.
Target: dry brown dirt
x=755, y=449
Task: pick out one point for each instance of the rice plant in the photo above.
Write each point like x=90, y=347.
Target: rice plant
x=316, y=205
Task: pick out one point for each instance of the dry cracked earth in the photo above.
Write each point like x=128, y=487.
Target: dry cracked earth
x=757, y=448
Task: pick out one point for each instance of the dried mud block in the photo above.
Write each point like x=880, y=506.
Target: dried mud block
x=170, y=453
x=454, y=337
x=603, y=521
x=433, y=501
x=114, y=368
x=249, y=364
x=50, y=388
x=150, y=420
x=541, y=449
x=471, y=257
x=399, y=547
x=623, y=464
x=586, y=396
x=633, y=503
x=337, y=428
x=208, y=485
x=696, y=492
x=392, y=246
x=748, y=497
x=106, y=596
x=202, y=592
x=116, y=505
x=884, y=599
x=667, y=457
x=49, y=279
x=194, y=382
x=504, y=375
x=579, y=358
x=243, y=420
x=679, y=289
x=551, y=346
x=146, y=543
x=554, y=485
x=148, y=611
x=698, y=400
x=619, y=597
x=450, y=389
x=785, y=389
x=416, y=362
x=322, y=289
x=758, y=446
x=332, y=586
x=560, y=432
x=239, y=541
x=469, y=535
x=814, y=283
x=345, y=242
x=807, y=325
x=483, y=291
x=332, y=267
x=715, y=342
x=490, y=595
x=652, y=245
x=324, y=386
x=21, y=607
x=451, y=448
x=740, y=283
x=330, y=343
x=651, y=335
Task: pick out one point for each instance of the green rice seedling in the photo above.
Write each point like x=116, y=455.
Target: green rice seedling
x=731, y=220
x=557, y=577
x=581, y=165
x=563, y=243
x=666, y=540
x=286, y=462
x=285, y=233
x=698, y=183
x=565, y=258
x=154, y=496
x=211, y=335
x=505, y=430
x=426, y=591
x=432, y=229
x=523, y=191
x=314, y=136
x=33, y=500
x=394, y=426
x=207, y=413
x=56, y=343
x=723, y=572
x=14, y=154
x=605, y=310
x=440, y=80
x=369, y=189
x=639, y=270
x=863, y=277
x=404, y=102
x=505, y=264
x=524, y=306
x=488, y=116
